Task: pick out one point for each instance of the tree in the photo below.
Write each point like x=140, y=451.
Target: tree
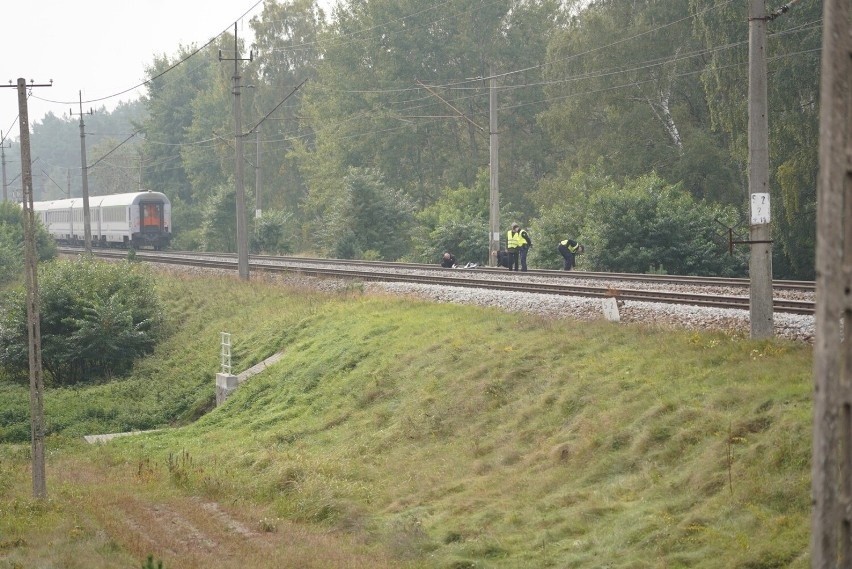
x=208, y=155
x=367, y=220
x=289, y=47
x=415, y=104
x=563, y=201
x=625, y=94
x=172, y=88
x=115, y=167
x=219, y=220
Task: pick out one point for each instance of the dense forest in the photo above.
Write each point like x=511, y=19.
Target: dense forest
x=366, y=132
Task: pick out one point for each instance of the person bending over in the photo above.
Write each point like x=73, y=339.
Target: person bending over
x=569, y=249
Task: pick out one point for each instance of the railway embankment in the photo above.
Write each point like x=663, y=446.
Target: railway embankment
x=424, y=434
x=693, y=303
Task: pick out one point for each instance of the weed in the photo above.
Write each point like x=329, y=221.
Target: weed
x=179, y=467
x=145, y=470
x=268, y=525
x=355, y=288
x=149, y=564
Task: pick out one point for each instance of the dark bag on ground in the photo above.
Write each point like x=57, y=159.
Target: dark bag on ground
x=504, y=259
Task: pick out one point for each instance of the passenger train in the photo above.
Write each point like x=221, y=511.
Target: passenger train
x=138, y=219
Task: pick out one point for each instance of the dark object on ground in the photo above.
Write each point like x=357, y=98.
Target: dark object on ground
x=504, y=259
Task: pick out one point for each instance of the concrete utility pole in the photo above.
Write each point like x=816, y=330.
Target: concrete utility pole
x=831, y=480
x=3, y=148
x=33, y=316
x=494, y=195
x=87, y=221
x=760, y=263
x=258, y=210
x=242, y=233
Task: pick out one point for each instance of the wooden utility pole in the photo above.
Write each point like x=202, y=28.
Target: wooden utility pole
x=242, y=233
x=494, y=195
x=87, y=220
x=33, y=316
x=760, y=262
x=831, y=526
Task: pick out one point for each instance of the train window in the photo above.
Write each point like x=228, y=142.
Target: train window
x=113, y=214
x=152, y=216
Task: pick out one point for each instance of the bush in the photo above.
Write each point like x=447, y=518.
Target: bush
x=272, y=233
x=457, y=222
x=647, y=224
x=12, y=242
x=96, y=319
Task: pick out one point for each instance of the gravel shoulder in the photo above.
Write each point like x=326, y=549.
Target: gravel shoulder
x=787, y=326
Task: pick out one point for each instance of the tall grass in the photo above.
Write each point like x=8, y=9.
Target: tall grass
x=433, y=435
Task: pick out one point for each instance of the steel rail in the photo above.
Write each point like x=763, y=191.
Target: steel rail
x=445, y=278
x=794, y=285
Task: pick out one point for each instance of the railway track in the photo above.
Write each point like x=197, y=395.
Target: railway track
x=778, y=285
x=664, y=289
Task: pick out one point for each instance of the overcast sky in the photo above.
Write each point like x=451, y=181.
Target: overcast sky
x=100, y=47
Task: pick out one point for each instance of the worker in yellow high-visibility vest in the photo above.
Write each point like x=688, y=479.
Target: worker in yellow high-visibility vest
x=526, y=243
x=569, y=248
x=514, y=242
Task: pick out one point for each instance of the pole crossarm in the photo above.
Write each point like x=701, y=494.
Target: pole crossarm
x=31, y=84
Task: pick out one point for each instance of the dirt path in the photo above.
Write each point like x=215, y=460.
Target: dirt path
x=188, y=532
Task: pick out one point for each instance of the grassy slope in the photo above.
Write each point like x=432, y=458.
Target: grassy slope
x=452, y=436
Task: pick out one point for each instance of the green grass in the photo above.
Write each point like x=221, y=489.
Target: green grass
x=437, y=435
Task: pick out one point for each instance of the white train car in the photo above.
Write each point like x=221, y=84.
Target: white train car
x=138, y=219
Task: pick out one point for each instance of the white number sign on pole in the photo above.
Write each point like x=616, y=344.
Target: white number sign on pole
x=759, y=209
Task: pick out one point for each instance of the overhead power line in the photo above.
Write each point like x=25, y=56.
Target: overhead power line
x=144, y=83
x=114, y=149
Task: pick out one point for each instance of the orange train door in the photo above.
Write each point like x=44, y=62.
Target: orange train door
x=152, y=217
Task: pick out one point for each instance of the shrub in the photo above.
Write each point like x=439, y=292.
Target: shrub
x=648, y=223
x=12, y=242
x=272, y=233
x=96, y=318
x=456, y=222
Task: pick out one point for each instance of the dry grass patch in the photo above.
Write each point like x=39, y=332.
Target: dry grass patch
x=116, y=515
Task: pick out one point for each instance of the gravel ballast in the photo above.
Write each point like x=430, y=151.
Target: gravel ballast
x=787, y=326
